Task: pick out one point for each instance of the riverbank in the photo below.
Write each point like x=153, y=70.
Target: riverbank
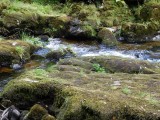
x=65, y=63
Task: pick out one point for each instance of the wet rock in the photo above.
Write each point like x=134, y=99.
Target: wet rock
x=16, y=66
x=11, y=113
x=40, y=53
x=36, y=113
x=107, y=37
x=61, y=53
x=14, y=52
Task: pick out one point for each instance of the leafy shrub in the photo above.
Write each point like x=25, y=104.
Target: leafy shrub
x=98, y=68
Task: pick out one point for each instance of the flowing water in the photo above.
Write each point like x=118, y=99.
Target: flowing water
x=81, y=48
x=95, y=49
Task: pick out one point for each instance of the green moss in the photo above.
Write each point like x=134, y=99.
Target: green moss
x=15, y=50
x=36, y=113
x=91, y=96
x=126, y=90
x=115, y=11
x=89, y=31
x=137, y=32
x=48, y=117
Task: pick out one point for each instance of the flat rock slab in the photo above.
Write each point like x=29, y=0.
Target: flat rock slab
x=78, y=95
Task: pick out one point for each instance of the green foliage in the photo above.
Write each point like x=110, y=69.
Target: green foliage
x=40, y=72
x=32, y=40
x=20, y=50
x=43, y=1
x=126, y=90
x=89, y=30
x=98, y=68
x=26, y=7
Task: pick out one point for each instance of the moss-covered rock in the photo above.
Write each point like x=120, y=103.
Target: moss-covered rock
x=139, y=32
x=36, y=113
x=96, y=96
x=150, y=11
x=14, y=51
x=60, y=53
x=48, y=117
x=107, y=37
x=113, y=64
x=79, y=30
x=76, y=62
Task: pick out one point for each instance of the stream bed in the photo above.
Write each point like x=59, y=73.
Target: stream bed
x=80, y=48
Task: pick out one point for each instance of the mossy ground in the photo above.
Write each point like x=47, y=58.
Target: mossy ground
x=74, y=95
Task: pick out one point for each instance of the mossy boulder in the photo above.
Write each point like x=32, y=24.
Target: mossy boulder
x=55, y=25
x=36, y=113
x=83, y=13
x=19, y=19
x=107, y=37
x=96, y=96
x=113, y=64
x=76, y=62
x=48, y=117
x=14, y=51
x=139, y=32
x=80, y=30
x=150, y=11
